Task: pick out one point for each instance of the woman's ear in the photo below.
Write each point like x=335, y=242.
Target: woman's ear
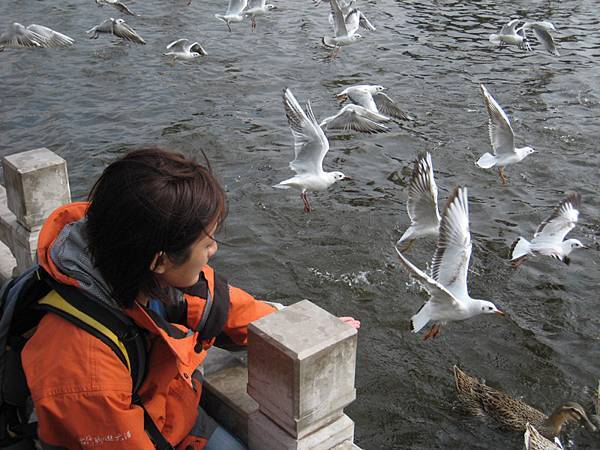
x=158, y=263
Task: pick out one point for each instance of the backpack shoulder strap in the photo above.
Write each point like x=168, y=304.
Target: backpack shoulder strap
x=112, y=327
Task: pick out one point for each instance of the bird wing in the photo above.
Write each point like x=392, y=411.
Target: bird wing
x=502, y=137
x=51, y=38
x=178, y=45
x=310, y=143
x=196, y=47
x=510, y=27
x=561, y=221
x=540, y=29
x=422, y=202
x=256, y=4
x=387, y=106
x=363, y=98
x=347, y=6
x=124, y=31
x=236, y=6
x=451, y=258
x=439, y=294
x=364, y=22
x=339, y=22
x=106, y=26
x=350, y=117
x=19, y=36
x=123, y=8
x=352, y=21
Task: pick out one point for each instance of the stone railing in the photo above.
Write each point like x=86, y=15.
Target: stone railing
x=35, y=183
x=290, y=389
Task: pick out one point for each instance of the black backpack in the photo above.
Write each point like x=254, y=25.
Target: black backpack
x=23, y=302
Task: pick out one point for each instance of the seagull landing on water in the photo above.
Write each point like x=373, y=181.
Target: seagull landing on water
x=450, y=301
x=310, y=147
x=234, y=13
x=344, y=27
x=17, y=36
x=357, y=118
x=422, y=203
x=511, y=35
x=119, y=6
x=257, y=8
x=549, y=237
x=185, y=49
x=372, y=97
x=502, y=139
x=118, y=28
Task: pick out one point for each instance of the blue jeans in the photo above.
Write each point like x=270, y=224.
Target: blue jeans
x=221, y=439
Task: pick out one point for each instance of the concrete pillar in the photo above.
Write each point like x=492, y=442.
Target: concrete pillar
x=36, y=182
x=301, y=365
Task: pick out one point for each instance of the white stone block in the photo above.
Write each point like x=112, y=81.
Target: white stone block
x=36, y=183
x=263, y=434
x=301, y=366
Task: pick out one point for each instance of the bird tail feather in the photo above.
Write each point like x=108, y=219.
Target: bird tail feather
x=282, y=185
x=486, y=161
x=520, y=248
x=420, y=319
x=407, y=235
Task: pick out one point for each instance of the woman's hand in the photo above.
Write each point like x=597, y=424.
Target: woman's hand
x=351, y=321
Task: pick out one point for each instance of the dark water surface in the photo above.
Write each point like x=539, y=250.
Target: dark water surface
x=95, y=101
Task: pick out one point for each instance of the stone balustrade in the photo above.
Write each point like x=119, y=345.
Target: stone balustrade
x=288, y=392
x=35, y=183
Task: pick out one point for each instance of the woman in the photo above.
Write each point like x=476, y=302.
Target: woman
x=141, y=245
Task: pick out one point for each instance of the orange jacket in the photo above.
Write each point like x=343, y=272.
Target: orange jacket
x=82, y=391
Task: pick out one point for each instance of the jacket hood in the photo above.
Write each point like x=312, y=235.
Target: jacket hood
x=64, y=254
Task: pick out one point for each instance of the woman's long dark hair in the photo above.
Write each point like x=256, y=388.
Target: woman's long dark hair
x=151, y=200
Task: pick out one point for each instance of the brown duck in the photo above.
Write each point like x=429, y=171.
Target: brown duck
x=481, y=399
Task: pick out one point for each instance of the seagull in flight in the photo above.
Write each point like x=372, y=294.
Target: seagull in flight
x=121, y=7
x=345, y=28
x=347, y=7
x=510, y=34
x=117, y=27
x=310, y=147
x=549, y=238
x=185, y=49
x=502, y=139
x=541, y=30
x=18, y=36
x=422, y=203
x=234, y=13
x=447, y=286
x=372, y=97
x=357, y=118
x=257, y=8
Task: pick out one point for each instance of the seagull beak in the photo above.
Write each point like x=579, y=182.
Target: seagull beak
x=346, y=178
x=342, y=97
x=500, y=313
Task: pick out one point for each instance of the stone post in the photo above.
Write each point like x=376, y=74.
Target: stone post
x=301, y=364
x=36, y=183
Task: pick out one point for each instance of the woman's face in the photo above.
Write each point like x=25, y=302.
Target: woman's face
x=186, y=274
